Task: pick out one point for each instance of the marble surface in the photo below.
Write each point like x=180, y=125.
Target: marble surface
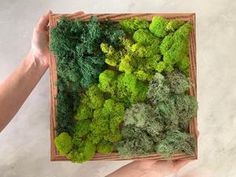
x=24, y=143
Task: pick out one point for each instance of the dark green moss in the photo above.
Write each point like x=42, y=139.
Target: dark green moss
x=79, y=60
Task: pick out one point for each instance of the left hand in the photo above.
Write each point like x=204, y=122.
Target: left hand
x=149, y=168
x=40, y=41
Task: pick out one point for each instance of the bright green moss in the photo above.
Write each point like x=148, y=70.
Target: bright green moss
x=92, y=99
x=105, y=147
x=112, y=107
x=126, y=64
x=174, y=48
x=63, y=143
x=100, y=123
x=138, y=50
x=107, y=81
x=154, y=48
x=144, y=37
x=131, y=25
x=123, y=87
x=158, y=26
x=96, y=98
x=112, y=56
x=173, y=25
x=98, y=133
x=84, y=152
x=142, y=75
x=83, y=112
x=152, y=62
x=89, y=151
x=183, y=31
x=94, y=138
x=127, y=43
x=161, y=26
x=166, y=43
x=183, y=65
x=130, y=88
x=82, y=128
x=140, y=58
x=160, y=66
x=107, y=120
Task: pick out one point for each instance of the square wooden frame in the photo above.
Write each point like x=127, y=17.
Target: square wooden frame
x=116, y=17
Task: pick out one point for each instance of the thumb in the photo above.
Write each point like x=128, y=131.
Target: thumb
x=43, y=21
x=178, y=164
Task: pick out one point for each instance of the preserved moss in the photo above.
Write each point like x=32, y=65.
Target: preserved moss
x=122, y=87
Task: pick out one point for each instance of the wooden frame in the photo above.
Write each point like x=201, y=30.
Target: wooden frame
x=116, y=17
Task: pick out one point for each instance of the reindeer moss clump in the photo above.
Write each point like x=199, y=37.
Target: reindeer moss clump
x=122, y=86
x=163, y=122
x=99, y=131
x=76, y=45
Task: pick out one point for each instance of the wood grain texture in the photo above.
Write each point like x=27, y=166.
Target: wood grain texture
x=190, y=17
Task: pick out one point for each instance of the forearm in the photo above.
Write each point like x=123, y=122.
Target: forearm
x=17, y=87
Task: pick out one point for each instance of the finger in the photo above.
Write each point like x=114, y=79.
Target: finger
x=165, y=162
x=178, y=164
x=43, y=22
x=198, y=133
x=47, y=35
x=79, y=13
x=143, y=163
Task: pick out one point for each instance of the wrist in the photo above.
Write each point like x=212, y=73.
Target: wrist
x=38, y=61
x=34, y=64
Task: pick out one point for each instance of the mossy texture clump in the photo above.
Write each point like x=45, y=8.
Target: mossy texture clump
x=76, y=45
x=164, y=118
x=122, y=86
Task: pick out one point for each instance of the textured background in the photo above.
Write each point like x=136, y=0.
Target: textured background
x=24, y=143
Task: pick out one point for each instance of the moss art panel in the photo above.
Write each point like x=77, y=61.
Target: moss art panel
x=122, y=86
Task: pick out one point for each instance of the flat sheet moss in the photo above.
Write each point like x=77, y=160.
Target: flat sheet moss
x=122, y=86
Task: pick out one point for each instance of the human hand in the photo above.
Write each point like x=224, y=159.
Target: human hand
x=39, y=44
x=149, y=168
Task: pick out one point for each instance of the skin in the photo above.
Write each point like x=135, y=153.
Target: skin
x=18, y=86
x=150, y=168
